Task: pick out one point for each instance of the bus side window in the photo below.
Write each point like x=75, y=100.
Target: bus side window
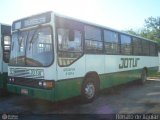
x=126, y=45
x=145, y=47
x=93, y=40
x=153, y=51
x=6, y=48
x=137, y=46
x=111, y=42
x=69, y=50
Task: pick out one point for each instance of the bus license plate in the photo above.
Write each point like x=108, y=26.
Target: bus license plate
x=24, y=91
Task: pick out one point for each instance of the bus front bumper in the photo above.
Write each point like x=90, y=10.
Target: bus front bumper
x=32, y=92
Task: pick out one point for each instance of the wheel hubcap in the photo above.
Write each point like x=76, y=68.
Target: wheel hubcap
x=90, y=90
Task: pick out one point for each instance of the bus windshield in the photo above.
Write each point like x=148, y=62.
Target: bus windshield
x=32, y=47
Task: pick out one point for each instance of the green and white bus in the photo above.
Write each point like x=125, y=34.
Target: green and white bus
x=55, y=57
x=5, y=37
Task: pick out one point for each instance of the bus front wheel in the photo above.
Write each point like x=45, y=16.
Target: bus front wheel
x=89, y=90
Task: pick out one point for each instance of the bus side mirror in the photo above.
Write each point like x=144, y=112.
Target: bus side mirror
x=71, y=35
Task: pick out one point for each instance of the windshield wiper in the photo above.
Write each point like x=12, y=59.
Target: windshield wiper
x=18, y=38
x=32, y=38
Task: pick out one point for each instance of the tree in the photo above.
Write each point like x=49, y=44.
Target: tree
x=153, y=24
x=151, y=29
x=131, y=31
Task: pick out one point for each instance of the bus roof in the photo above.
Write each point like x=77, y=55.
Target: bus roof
x=5, y=24
x=101, y=26
x=5, y=29
x=82, y=21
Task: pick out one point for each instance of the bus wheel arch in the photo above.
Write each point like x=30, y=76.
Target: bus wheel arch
x=90, y=87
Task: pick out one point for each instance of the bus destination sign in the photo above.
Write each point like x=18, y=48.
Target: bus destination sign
x=32, y=21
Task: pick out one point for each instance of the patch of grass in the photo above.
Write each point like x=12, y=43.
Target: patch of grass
x=155, y=76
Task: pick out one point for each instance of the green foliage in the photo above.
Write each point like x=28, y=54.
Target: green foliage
x=151, y=29
x=153, y=24
x=131, y=31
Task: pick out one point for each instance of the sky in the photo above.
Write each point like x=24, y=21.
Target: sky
x=117, y=14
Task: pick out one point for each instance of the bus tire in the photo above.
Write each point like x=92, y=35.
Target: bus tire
x=143, y=76
x=89, y=90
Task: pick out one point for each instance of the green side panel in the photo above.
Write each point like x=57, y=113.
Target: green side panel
x=68, y=88
x=117, y=78
x=3, y=80
x=33, y=92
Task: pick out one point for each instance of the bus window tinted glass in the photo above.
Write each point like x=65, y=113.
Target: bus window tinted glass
x=145, y=47
x=137, y=46
x=92, y=33
x=32, y=47
x=126, y=45
x=6, y=48
x=64, y=44
x=111, y=42
x=93, y=40
x=69, y=50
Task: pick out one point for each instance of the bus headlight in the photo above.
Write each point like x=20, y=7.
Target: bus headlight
x=40, y=83
x=46, y=84
x=11, y=80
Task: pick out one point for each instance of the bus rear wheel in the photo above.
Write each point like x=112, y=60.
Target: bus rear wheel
x=143, y=76
x=89, y=91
